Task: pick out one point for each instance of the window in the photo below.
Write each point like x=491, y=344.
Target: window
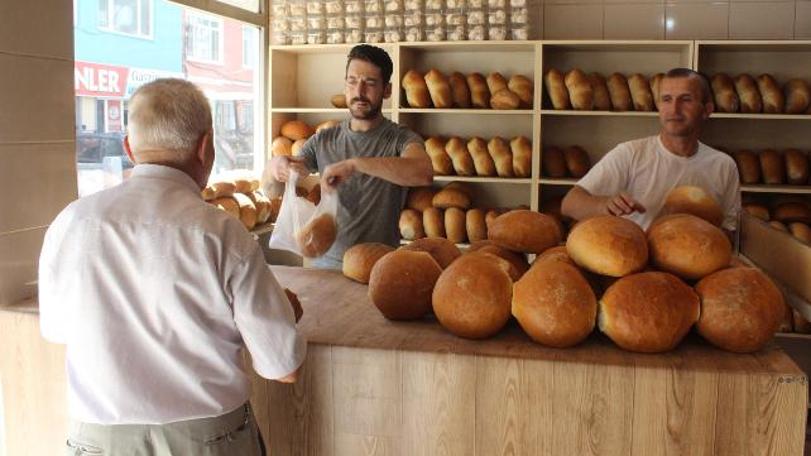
x=250, y=5
x=108, y=70
x=129, y=17
x=204, y=38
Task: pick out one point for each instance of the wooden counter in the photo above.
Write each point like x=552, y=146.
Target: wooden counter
x=377, y=387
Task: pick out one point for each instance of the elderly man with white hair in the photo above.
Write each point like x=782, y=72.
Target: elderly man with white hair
x=155, y=293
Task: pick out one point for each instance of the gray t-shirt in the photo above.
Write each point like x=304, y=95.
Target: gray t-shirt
x=370, y=206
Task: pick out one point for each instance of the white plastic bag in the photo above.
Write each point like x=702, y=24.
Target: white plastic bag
x=302, y=227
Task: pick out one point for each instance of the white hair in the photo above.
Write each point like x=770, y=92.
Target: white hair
x=168, y=114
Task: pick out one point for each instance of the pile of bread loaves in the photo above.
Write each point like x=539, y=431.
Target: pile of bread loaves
x=586, y=92
x=477, y=157
x=749, y=95
x=436, y=90
x=645, y=291
x=790, y=216
x=445, y=213
x=293, y=134
x=772, y=167
x=242, y=199
x=571, y=161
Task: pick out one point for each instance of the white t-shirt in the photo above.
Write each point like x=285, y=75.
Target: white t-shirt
x=647, y=171
x=155, y=292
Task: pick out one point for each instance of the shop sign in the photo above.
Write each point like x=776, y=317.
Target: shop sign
x=113, y=115
x=141, y=76
x=99, y=80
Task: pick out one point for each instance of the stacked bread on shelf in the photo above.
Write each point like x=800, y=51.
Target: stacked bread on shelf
x=242, y=199
x=445, y=213
x=792, y=217
x=436, y=90
x=749, y=95
x=293, y=134
x=593, y=92
x=572, y=161
x=772, y=167
x=478, y=157
x=645, y=291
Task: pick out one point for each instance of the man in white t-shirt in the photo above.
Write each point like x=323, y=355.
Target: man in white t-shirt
x=634, y=178
x=156, y=294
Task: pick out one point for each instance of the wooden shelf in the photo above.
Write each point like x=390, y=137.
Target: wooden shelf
x=512, y=112
x=568, y=112
x=317, y=111
x=555, y=181
x=500, y=180
x=738, y=115
x=797, y=189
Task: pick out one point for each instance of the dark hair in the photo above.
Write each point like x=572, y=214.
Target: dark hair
x=374, y=55
x=706, y=92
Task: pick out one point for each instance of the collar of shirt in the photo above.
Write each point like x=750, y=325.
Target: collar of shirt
x=165, y=172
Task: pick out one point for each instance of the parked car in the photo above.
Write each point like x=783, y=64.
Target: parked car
x=92, y=147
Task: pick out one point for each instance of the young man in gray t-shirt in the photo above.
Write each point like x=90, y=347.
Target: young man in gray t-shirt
x=367, y=159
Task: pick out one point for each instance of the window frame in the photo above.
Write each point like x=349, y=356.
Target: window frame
x=109, y=28
x=195, y=15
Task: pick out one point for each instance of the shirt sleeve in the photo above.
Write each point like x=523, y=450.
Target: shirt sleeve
x=731, y=203
x=610, y=174
x=265, y=319
x=52, y=310
x=406, y=137
x=307, y=153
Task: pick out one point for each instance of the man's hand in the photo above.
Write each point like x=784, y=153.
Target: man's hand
x=338, y=173
x=623, y=204
x=281, y=166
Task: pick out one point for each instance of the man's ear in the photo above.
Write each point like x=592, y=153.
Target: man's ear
x=128, y=149
x=387, y=90
x=709, y=108
x=204, y=146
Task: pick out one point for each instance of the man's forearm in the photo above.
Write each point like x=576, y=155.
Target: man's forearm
x=404, y=171
x=580, y=204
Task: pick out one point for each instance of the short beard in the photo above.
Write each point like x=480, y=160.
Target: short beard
x=373, y=113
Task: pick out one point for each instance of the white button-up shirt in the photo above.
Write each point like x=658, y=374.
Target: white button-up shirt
x=155, y=292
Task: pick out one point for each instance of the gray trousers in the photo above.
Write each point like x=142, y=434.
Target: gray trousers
x=234, y=433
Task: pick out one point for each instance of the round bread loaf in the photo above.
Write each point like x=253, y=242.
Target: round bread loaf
x=502, y=157
x=208, y=193
x=440, y=161
x=456, y=148
x=296, y=129
x=475, y=225
x=472, y=296
x=247, y=210
x=798, y=96
x=223, y=189
x=420, y=198
x=778, y=226
x=655, y=82
x=580, y=93
x=416, y=90
x=688, y=246
x=608, y=245
x=401, y=284
x=496, y=82
x=281, y=146
x=459, y=90
x=796, y=167
x=773, y=100
x=746, y=87
x=491, y=215
x=339, y=101
x=772, y=166
x=792, y=211
x=641, y=96
x=689, y=199
x=557, y=253
x=518, y=263
x=433, y=222
x=451, y=197
x=524, y=231
x=724, y=95
x=317, y=236
x=757, y=210
x=441, y=249
x=314, y=194
x=505, y=99
x=602, y=101
x=455, y=225
x=748, y=166
x=553, y=162
x=410, y=225
x=649, y=312
x=439, y=89
x=482, y=161
x=245, y=185
x=262, y=204
x=801, y=231
x=521, y=86
x=619, y=92
x=577, y=161
x=741, y=309
x=554, y=304
x=521, y=150
x=361, y=258
x=479, y=93
x=227, y=204
x=556, y=89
